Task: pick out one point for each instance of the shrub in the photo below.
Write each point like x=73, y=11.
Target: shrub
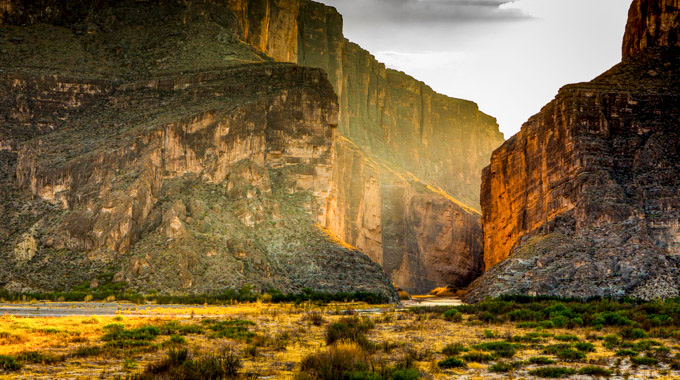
x=86, y=351
x=644, y=360
x=552, y=372
x=584, y=347
x=453, y=349
x=553, y=349
x=546, y=324
x=180, y=364
x=315, y=319
x=477, y=357
x=541, y=360
x=567, y=338
x=453, y=315
x=118, y=336
x=488, y=334
x=9, y=363
x=595, y=371
x=501, y=349
x=634, y=334
x=626, y=352
x=238, y=329
x=352, y=329
x=452, y=363
x=38, y=357
x=177, y=339
x=335, y=362
x=501, y=367
x=526, y=325
x=405, y=374
x=570, y=355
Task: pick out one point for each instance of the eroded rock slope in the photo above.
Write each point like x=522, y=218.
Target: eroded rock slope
x=585, y=200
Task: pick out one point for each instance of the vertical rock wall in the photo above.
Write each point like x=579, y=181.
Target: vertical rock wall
x=585, y=201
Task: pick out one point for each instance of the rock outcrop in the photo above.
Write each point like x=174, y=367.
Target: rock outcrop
x=401, y=185
x=585, y=200
x=182, y=160
x=417, y=233
x=651, y=23
x=416, y=133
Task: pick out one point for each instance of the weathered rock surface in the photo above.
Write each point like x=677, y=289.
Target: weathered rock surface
x=417, y=233
x=585, y=200
x=417, y=215
x=172, y=180
x=414, y=132
x=651, y=23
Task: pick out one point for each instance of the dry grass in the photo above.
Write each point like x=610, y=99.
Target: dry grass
x=284, y=335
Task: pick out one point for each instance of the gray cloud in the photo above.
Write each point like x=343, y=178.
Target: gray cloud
x=427, y=11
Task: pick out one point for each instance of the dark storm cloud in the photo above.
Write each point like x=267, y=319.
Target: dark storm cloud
x=426, y=11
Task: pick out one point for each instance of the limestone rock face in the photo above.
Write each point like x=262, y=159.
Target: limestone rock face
x=410, y=130
x=585, y=200
x=651, y=23
x=417, y=233
x=415, y=213
x=171, y=180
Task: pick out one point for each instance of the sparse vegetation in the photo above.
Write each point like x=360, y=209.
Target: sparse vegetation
x=387, y=345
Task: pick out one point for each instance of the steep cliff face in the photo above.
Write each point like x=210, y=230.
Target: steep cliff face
x=651, y=23
x=204, y=168
x=416, y=232
x=585, y=200
x=397, y=119
x=410, y=130
x=416, y=215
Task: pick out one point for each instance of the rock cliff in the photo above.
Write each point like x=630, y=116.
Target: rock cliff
x=180, y=159
x=401, y=185
x=585, y=200
x=410, y=130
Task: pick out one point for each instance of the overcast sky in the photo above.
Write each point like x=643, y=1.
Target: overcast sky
x=511, y=57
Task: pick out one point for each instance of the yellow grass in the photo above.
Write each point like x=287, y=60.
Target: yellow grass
x=425, y=335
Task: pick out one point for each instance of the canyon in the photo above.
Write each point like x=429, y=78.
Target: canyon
x=196, y=147
x=585, y=200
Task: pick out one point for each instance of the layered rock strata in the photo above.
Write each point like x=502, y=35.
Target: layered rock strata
x=413, y=131
x=432, y=140
x=585, y=200
x=168, y=179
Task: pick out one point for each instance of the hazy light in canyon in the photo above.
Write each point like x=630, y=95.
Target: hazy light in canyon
x=511, y=57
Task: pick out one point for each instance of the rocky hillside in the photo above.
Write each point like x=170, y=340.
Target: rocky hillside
x=147, y=143
x=94, y=94
x=585, y=200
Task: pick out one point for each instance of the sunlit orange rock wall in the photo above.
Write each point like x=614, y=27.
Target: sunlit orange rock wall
x=585, y=201
x=422, y=238
x=651, y=23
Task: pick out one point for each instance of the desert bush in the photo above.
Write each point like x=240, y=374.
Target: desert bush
x=38, y=357
x=552, y=372
x=238, y=329
x=453, y=349
x=644, y=360
x=477, y=357
x=584, y=346
x=567, y=338
x=9, y=363
x=541, y=360
x=315, y=319
x=595, y=371
x=351, y=329
x=334, y=363
x=570, y=354
x=501, y=367
x=453, y=315
x=452, y=363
